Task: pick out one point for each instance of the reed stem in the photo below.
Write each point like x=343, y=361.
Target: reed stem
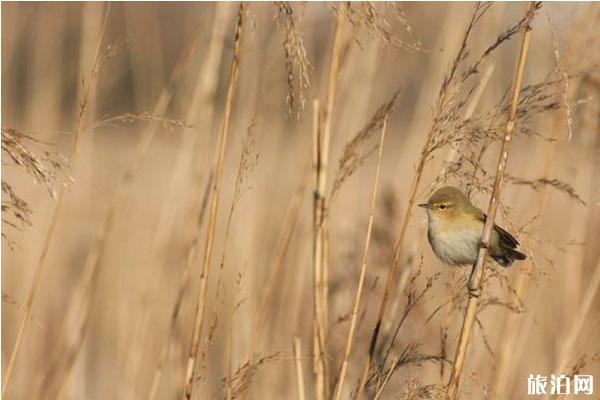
x=475, y=280
x=297, y=344
x=363, y=269
x=214, y=206
x=83, y=104
x=321, y=144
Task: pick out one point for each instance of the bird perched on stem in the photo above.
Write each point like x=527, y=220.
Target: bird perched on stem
x=455, y=229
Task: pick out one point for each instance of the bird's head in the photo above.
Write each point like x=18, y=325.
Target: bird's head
x=447, y=204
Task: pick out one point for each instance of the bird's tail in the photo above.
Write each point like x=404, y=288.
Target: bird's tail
x=508, y=256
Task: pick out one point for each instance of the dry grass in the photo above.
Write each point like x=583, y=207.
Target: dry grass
x=297, y=65
x=44, y=166
x=477, y=274
x=214, y=205
x=150, y=252
x=363, y=268
x=84, y=100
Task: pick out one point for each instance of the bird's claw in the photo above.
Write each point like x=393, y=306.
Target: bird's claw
x=474, y=291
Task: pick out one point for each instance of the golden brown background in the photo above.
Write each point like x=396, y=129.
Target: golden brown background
x=100, y=336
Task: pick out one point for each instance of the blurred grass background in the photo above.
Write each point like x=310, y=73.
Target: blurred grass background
x=47, y=50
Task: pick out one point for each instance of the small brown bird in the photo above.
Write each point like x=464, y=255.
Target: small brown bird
x=455, y=228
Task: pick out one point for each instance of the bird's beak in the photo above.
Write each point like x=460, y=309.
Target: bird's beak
x=425, y=205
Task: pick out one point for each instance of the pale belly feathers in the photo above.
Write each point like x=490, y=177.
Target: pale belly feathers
x=454, y=246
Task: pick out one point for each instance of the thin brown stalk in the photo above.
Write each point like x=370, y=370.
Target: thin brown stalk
x=510, y=332
x=202, y=292
x=189, y=145
x=477, y=273
x=363, y=269
x=321, y=143
x=318, y=325
x=298, y=364
x=248, y=162
x=184, y=283
x=83, y=102
x=412, y=195
x=393, y=266
x=451, y=157
x=445, y=113
x=512, y=328
x=229, y=387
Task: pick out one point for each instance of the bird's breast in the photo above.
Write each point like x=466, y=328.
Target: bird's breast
x=454, y=244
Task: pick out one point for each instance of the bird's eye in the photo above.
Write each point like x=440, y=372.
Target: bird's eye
x=442, y=206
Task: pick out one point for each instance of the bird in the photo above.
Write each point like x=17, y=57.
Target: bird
x=455, y=228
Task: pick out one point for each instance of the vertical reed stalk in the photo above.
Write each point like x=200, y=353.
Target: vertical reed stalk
x=363, y=269
x=84, y=101
x=189, y=144
x=298, y=364
x=321, y=143
x=184, y=283
x=477, y=273
x=229, y=358
x=394, y=264
x=451, y=157
x=319, y=325
x=412, y=195
x=512, y=325
x=212, y=220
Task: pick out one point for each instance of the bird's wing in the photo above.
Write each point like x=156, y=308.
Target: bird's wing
x=506, y=239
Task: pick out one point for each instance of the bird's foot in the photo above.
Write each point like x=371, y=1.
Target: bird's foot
x=474, y=291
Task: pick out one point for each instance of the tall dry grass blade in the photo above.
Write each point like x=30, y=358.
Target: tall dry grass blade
x=297, y=345
x=321, y=145
x=189, y=145
x=317, y=259
x=512, y=326
x=148, y=331
x=83, y=104
x=393, y=265
x=212, y=220
x=477, y=273
x=361, y=146
x=228, y=384
x=96, y=253
x=183, y=285
x=447, y=106
x=450, y=158
x=510, y=329
x=363, y=269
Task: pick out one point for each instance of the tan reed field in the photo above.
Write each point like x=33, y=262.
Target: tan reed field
x=218, y=200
